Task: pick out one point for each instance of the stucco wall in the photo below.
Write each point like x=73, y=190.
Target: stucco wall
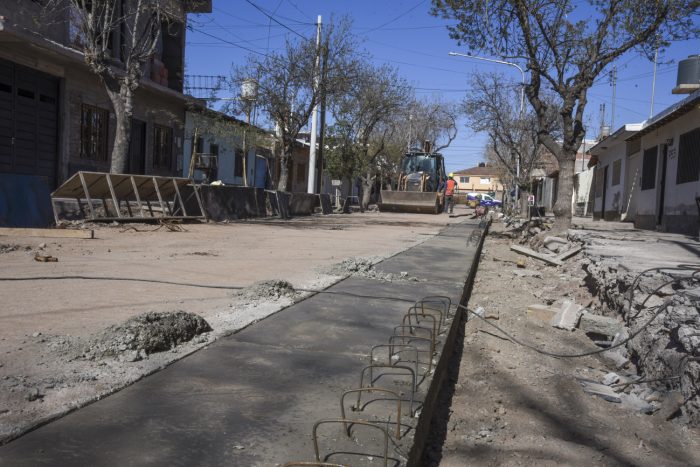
x=614, y=194
x=679, y=208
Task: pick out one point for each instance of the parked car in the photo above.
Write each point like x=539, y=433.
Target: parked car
x=483, y=199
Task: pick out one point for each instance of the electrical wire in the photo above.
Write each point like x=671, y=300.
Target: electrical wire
x=274, y=19
x=508, y=336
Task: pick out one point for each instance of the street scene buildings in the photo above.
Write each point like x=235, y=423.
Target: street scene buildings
x=289, y=233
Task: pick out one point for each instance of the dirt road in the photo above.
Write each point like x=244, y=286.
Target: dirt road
x=48, y=324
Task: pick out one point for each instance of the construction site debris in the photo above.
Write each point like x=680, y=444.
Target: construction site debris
x=533, y=254
x=145, y=334
x=555, y=244
x=567, y=317
x=266, y=290
x=600, y=390
x=595, y=324
x=527, y=273
x=8, y=248
x=45, y=258
x=365, y=267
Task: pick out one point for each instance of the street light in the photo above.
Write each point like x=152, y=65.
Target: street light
x=522, y=99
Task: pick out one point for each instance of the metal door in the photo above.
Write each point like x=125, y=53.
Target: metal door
x=28, y=122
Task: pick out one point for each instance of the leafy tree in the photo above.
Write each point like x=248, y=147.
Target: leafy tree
x=365, y=123
x=566, y=45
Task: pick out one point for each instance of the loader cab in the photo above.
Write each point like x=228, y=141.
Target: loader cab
x=421, y=163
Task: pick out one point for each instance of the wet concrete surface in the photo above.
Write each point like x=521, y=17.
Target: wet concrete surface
x=253, y=397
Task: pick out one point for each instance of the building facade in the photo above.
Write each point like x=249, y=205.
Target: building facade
x=651, y=176
x=480, y=179
x=55, y=115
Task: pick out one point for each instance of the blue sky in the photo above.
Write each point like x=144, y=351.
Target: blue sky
x=402, y=33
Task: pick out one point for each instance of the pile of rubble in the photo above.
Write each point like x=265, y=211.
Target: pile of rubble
x=145, y=334
x=668, y=347
x=364, y=267
x=266, y=291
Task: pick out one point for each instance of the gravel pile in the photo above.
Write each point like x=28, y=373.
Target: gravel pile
x=145, y=334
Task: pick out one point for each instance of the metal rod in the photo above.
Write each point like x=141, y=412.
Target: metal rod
x=87, y=194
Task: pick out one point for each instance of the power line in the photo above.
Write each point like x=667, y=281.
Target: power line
x=398, y=17
x=191, y=28
x=273, y=18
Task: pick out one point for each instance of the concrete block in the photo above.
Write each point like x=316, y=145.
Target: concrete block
x=599, y=324
x=540, y=312
x=567, y=316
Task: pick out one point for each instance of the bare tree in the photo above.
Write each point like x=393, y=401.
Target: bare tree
x=286, y=84
x=365, y=118
x=512, y=138
x=566, y=45
x=434, y=121
x=119, y=66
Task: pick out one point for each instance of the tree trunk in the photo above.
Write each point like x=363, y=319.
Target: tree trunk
x=367, y=183
x=565, y=190
x=284, y=173
x=122, y=98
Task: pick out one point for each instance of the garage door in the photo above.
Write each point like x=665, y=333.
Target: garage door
x=28, y=122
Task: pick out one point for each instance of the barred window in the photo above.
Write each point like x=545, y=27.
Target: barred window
x=689, y=157
x=94, y=125
x=649, y=169
x=617, y=168
x=463, y=179
x=162, y=147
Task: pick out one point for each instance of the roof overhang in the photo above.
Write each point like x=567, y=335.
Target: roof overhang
x=621, y=135
x=671, y=113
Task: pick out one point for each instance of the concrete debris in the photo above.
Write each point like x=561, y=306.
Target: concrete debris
x=265, y=291
x=364, y=267
x=661, y=350
x=533, y=254
x=595, y=324
x=567, y=317
x=527, y=273
x=611, y=378
x=144, y=334
x=634, y=402
x=600, y=390
x=33, y=394
x=8, y=248
x=555, y=244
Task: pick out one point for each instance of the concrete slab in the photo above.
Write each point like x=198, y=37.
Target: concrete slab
x=252, y=398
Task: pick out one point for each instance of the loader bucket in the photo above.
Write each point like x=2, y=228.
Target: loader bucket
x=410, y=201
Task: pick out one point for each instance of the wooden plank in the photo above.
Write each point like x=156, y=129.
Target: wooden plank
x=569, y=253
x=533, y=254
x=48, y=233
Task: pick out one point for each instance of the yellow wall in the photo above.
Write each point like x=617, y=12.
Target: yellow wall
x=475, y=183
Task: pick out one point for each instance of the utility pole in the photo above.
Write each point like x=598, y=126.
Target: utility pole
x=602, y=120
x=314, y=114
x=653, y=81
x=613, y=83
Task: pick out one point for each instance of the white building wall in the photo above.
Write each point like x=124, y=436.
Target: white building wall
x=227, y=146
x=633, y=177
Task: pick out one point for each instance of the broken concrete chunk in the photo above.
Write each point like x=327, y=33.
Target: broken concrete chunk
x=542, y=257
x=600, y=390
x=568, y=316
x=633, y=402
x=597, y=324
x=555, y=244
x=611, y=378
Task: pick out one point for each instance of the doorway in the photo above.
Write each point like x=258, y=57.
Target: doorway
x=137, y=147
x=605, y=191
x=662, y=186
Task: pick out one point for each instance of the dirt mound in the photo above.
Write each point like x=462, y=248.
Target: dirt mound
x=267, y=290
x=364, y=267
x=147, y=333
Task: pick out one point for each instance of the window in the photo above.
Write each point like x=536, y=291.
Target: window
x=463, y=179
x=214, y=150
x=238, y=163
x=94, y=124
x=649, y=169
x=689, y=157
x=617, y=168
x=485, y=180
x=162, y=147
